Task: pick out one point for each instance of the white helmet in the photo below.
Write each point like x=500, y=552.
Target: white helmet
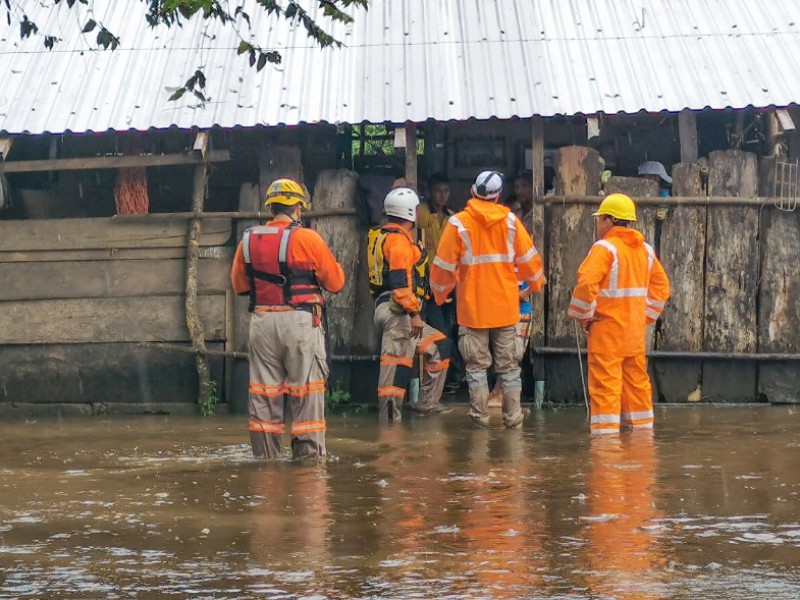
x=652, y=167
x=488, y=185
x=401, y=202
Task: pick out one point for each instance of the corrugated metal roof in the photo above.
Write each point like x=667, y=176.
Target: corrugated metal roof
x=406, y=60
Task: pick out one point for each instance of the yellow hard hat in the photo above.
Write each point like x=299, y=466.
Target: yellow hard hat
x=287, y=192
x=618, y=206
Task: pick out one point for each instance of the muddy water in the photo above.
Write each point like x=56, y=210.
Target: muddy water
x=173, y=507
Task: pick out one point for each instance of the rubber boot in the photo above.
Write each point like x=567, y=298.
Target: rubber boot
x=478, y=398
x=512, y=393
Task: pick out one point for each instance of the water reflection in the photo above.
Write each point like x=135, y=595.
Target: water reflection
x=622, y=554
x=425, y=508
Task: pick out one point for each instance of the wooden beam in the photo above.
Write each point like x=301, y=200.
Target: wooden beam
x=39, y=235
x=110, y=162
x=5, y=146
x=200, y=144
x=687, y=131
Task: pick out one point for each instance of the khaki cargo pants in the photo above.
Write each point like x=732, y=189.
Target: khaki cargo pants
x=477, y=347
x=397, y=360
x=288, y=374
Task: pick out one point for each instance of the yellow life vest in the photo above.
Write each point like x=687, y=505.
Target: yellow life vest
x=379, y=280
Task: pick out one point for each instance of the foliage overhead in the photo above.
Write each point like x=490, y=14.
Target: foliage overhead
x=173, y=13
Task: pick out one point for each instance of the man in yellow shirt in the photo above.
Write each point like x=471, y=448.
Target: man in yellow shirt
x=432, y=217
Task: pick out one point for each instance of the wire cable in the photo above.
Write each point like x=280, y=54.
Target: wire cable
x=580, y=364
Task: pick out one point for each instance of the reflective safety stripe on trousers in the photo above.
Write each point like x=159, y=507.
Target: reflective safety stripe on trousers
x=604, y=423
x=308, y=426
x=639, y=420
x=266, y=427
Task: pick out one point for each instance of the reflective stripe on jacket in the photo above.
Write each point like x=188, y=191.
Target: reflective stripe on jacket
x=478, y=253
x=623, y=285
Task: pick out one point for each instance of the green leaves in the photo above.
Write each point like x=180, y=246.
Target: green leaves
x=27, y=27
x=194, y=84
x=106, y=39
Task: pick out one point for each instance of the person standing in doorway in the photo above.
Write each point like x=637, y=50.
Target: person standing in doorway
x=284, y=267
x=484, y=251
x=431, y=219
x=622, y=288
x=398, y=277
x=521, y=202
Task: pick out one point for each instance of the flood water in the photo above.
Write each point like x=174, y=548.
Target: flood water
x=159, y=507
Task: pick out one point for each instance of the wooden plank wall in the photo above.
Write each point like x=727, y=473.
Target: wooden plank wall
x=80, y=295
x=682, y=252
x=731, y=282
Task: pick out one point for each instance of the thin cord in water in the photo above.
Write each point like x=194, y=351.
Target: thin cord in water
x=580, y=363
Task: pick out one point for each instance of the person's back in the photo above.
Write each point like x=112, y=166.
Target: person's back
x=622, y=287
x=486, y=290
x=398, y=283
x=478, y=253
x=284, y=268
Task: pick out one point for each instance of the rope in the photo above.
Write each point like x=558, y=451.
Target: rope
x=580, y=363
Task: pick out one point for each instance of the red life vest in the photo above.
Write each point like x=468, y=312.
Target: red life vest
x=273, y=282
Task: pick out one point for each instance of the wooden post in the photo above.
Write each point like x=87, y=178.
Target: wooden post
x=683, y=242
x=687, y=131
x=193, y=322
x=411, y=156
x=337, y=189
x=572, y=233
x=200, y=146
x=731, y=277
x=237, y=378
x=537, y=229
x=778, y=309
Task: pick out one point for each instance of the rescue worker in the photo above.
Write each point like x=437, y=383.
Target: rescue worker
x=478, y=253
x=398, y=274
x=284, y=267
x=622, y=288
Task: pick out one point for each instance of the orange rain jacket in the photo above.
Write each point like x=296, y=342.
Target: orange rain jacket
x=307, y=250
x=402, y=254
x=623, y=285
x=479, y=250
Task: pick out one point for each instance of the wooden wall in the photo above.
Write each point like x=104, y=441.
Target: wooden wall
x=78, y=296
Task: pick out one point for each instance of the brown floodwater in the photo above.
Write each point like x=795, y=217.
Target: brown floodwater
x=155, y=507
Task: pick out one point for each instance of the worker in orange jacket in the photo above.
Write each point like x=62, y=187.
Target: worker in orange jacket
x=284, y=267
x=622, y=288
x=479, y=250
x=398, y=275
